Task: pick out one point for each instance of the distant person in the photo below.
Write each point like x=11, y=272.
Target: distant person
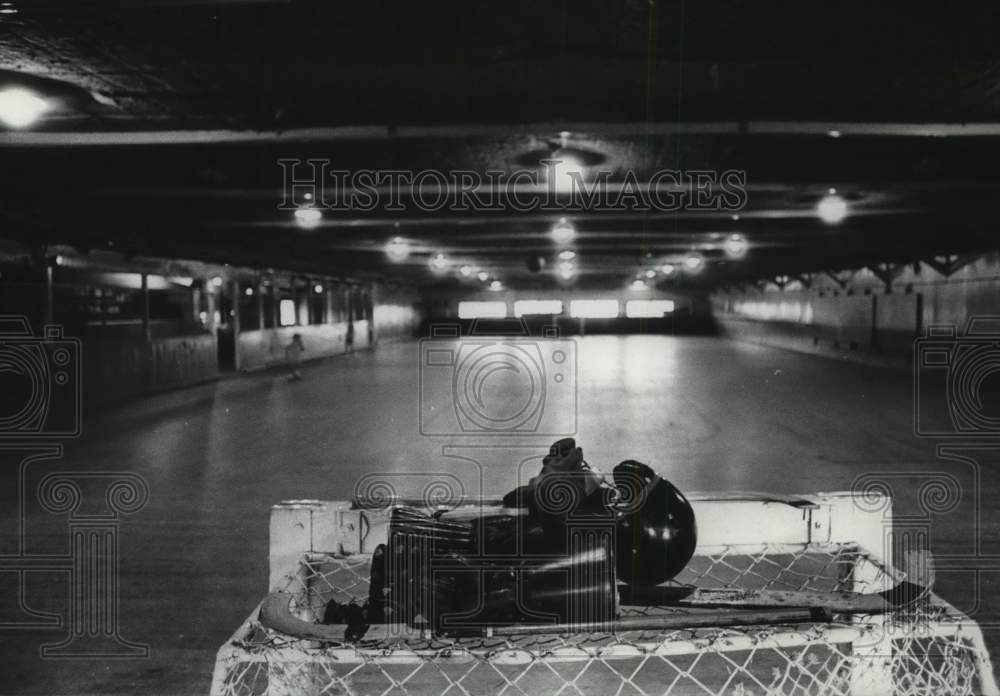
x=293, y=354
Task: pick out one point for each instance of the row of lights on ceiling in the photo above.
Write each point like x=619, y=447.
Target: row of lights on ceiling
x=831, y=209
x=398, y=250
x=735, y=246
x=562, y=233
x=20, y=108
x=693, y=262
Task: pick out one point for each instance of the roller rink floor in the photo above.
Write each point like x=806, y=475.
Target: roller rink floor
x=709, y=414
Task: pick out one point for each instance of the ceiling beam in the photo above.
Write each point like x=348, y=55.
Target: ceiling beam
x=392, y=132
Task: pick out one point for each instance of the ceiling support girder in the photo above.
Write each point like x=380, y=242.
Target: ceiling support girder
x=887, y=273
x=950, y=264
x=835, y=277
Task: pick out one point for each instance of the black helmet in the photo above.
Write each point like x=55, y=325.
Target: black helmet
x=657, y=534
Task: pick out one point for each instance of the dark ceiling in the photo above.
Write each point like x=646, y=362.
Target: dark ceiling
x=174, y=115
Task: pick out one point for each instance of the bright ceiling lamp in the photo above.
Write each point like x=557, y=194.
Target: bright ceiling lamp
x=496, y=286
x=483, y=276
x=735, y=246
x=694, y=262
x=308, y=218
x=563, y=171
x=466, y=270
x=668, y=269
x=650, y=273
x=638, y=285
x=21, y=108
x=398, y=249
x=832, y=209
x=439, y=263
x=563, y=232
x=567, y=255
x=566, y=270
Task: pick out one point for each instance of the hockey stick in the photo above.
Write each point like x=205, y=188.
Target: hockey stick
x=919, y=573
x=276, y=614
x=772, y=607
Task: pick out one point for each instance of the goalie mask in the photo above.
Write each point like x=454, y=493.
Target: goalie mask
x=657, y=534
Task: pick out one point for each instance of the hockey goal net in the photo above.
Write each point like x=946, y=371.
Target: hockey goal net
x=321, y=551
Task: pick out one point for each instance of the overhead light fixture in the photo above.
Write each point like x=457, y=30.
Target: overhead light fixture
x=317, y=288
x=735, y=217
x=217, y=281
x=248, y=292
x=308, y=218
x=834, y=133
x=567, y=255
x=650, y=273
x=466, y=270
x=496, y=286
x=566, y=270
x=694, y=262
x=398, y=249
x=563, y=232
x=639, y=285
x=668, y=269
x=832, y=209
x=20, y=108
x=439, y=263
x=483, y=276
x=563, y=171
x=735, y=246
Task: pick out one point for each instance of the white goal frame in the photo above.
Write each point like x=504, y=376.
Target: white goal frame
x=869, y=652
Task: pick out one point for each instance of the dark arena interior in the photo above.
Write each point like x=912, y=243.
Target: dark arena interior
x=377, y=257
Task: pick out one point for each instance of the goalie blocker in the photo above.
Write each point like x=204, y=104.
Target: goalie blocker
x=552, y=555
